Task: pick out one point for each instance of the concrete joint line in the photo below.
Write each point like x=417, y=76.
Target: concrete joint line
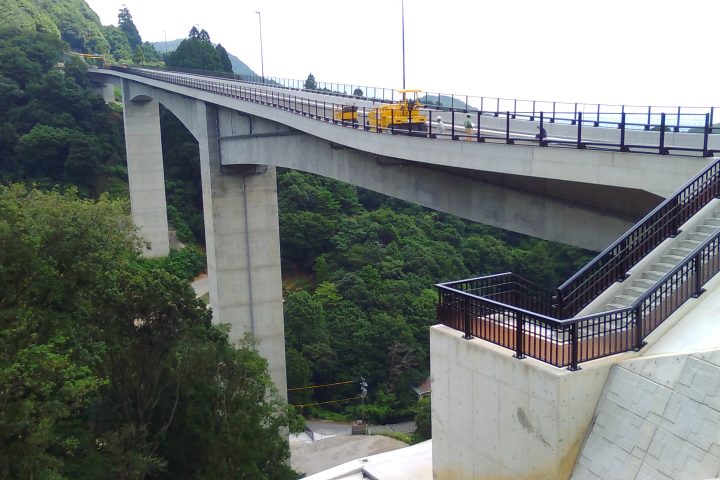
x=244, y=170
x=389, y=161
x=259, y=135
x=248, y=258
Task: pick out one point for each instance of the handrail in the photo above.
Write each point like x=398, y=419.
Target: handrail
x=655, y=143
x=612, y=264
x=568, y=342
x=562, y=110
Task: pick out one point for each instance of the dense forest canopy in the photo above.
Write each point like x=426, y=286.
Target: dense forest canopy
x=109, y=366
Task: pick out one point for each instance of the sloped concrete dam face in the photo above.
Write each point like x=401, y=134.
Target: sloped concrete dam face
x=658, y=419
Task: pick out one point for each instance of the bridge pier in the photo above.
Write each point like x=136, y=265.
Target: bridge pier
x=243, y=246
x=145, y=170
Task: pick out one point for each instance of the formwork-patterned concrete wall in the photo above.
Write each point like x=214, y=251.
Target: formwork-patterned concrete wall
x=658, y=419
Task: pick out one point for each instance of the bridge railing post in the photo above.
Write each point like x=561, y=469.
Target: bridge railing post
x=573, y=347
x=479, y=138
x=661, y=146
x=623, y=148
x=519, y=335
x=541, y=133
x=508, y=140
x=706, y=132
x=452, y=123
x=579, y=130
x=649, y=116
x=637, y=316
x=677, y=120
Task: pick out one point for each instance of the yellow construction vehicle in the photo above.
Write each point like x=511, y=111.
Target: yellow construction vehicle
x=402, y=117
x=346, y=113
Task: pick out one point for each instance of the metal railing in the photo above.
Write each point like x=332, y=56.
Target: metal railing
x=569, y=342
x=662, y=222
x=677, y=118
x=508, y=310
x=504, y=132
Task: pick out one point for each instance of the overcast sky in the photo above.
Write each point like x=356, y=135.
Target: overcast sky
x=639, y=52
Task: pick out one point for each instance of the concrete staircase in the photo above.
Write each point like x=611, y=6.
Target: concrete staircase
x=651, y=269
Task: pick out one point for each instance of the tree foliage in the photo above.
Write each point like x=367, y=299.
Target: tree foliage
x=110, y=367
x=126, y=24
x=366, y=301
x=310, y=83
x=198, y=52
x=51, y=130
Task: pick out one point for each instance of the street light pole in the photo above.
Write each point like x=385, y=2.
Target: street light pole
x=403, y=39
x=165, y=33
x=262, y=63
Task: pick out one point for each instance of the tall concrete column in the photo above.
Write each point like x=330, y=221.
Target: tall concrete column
x=145, y=170
x=243, y=247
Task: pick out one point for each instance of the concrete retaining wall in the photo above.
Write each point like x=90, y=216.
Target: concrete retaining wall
x=497, y=417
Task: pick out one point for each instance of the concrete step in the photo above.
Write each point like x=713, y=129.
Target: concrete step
x=699, y=236
x=662, y=267
x=636, y=291
x=692, y=244
x=681, y=251
x=713, y=221
x=654, y=275
x=671, y=259
x=615, y=306
x=646, y=283
x=624, y=300
x=705, y=228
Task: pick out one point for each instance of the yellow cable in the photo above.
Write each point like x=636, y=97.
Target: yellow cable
x=330, y=401
x=320, y=386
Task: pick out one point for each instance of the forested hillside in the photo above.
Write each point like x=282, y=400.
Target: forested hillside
x=109, y=366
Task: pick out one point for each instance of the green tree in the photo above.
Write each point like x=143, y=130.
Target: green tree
x=224, y=58
x=423, y=421
x=126, y=24
x=310, y=83
x=139, y=55
x=110, y=366
x=197, y=52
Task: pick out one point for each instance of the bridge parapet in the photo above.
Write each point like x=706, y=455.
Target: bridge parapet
x=627, y=136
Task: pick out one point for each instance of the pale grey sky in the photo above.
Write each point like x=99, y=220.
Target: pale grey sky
x=640, y=52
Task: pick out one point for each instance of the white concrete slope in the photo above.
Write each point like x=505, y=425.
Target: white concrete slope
x=658, y=418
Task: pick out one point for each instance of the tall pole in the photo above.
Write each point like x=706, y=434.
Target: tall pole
x=165, y=33
x=262, y=63
x=403, y=39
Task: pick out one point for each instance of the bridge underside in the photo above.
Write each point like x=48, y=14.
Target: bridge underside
x=583, y=215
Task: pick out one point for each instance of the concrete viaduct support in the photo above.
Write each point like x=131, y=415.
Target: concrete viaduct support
x=145, y=170
x=241, y=219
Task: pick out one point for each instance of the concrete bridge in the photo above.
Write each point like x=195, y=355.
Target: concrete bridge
x=579, y=190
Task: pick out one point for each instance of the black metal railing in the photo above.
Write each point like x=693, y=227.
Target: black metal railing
x=661, y=223
x=569, y=342
x=507, y=131
x=678, y=118
x=507, y=310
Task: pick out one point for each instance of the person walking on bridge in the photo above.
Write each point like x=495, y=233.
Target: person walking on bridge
x=469, y=125
x=439, y=126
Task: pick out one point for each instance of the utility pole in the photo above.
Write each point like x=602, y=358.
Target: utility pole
x=402, y=5
x=262, y=63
